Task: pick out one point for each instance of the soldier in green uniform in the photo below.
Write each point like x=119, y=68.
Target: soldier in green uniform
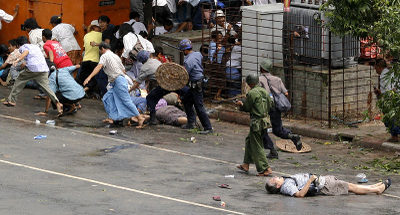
x=258, y=104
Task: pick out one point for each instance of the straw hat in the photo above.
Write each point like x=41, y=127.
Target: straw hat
x=171, y=76
x=288, y=146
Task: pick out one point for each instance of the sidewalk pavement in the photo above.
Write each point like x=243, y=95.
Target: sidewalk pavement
x=372, y=134
x=369, y=134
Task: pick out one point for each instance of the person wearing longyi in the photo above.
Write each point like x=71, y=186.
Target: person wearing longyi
x=117, y=101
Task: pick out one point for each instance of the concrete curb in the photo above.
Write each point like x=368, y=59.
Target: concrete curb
x=311, y=131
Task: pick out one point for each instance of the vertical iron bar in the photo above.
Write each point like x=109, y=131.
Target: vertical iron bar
x=330, y=81
x=257, y=15
x=343, y=90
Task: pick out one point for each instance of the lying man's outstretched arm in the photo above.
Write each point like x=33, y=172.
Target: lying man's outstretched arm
x=303, y=192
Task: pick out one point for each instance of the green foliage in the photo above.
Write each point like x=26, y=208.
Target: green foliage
x=379, y=20
x=352, y=17
x=387, y=164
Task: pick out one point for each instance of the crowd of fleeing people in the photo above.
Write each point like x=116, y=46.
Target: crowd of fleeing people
x=118, y=63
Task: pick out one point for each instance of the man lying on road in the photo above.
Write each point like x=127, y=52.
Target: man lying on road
x=305, y=184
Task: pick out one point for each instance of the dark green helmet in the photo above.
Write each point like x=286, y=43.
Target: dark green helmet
x=252, y=79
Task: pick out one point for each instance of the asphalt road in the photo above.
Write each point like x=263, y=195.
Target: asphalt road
x=81, y=169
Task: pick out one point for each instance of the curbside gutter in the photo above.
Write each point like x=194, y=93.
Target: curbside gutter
x=311, y=131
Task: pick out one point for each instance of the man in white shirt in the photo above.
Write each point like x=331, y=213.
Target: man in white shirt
x=163, y=9
x=135, y=22
x=117, y=101
x=222, y=25
x=7, y=17
x=386, y=85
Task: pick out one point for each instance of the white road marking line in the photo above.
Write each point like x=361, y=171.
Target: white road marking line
x=119, y=187
x=393, y=196
x=128, y=141
x=152, y=147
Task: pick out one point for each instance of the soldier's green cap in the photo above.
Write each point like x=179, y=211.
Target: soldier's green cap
x=266, y=65
x=252, y=79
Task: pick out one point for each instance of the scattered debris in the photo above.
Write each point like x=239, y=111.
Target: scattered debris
x=37, y=122
x=229, y=176
x=361, y=167
x=51, y=122
x=64, y=145
x=223, y=204
x=362, y=178
x=226, y=186
x=113, y=132
x=193, y=139
x=217, y=198
x=40, y=137
x=391, y=165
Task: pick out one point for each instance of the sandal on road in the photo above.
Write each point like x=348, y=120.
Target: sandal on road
x=387, y=183
x=266, y=172
x=39, y=97
x=8, y=104
x=242, y=168
x=226, y=186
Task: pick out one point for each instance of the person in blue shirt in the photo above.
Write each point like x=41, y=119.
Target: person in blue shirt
x=67, y=90
x=194, y=96
x=217, y=50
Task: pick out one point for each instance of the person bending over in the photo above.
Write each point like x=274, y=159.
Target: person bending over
x=117, y=101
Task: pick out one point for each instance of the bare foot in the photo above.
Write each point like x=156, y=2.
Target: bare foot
x=59, y=109
x=377, y=184
x=381, y=189
x=134, y=119
x=108, y=120
x=140, y=119
x=40, y=114
x=39, y=97
x=3, y=83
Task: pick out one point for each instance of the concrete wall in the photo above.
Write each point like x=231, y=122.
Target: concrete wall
x=309, y=90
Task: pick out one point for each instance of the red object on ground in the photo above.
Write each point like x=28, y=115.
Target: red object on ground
x=217, y=198
x=377, y=117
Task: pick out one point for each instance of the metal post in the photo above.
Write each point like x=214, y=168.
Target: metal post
x=330, y=81
x=343, y=85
